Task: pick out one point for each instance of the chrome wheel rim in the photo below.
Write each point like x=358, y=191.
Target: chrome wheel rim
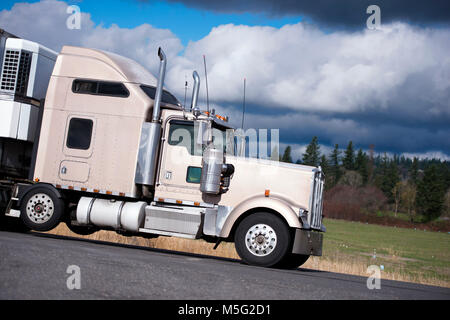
x=40, y=208
x=261, y=240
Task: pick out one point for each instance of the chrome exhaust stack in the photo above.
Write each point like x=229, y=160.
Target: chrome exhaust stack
x=159, y=87
x=195, y=90
x=151, y=134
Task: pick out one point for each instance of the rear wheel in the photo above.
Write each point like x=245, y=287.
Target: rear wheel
x=41, y=209
x=81, y=230
x=262, y=239
x=77, y=229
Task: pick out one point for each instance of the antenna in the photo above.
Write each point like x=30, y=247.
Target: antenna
x=206, y=78
x=243, y=107
x=185, y=90
x=241, y=134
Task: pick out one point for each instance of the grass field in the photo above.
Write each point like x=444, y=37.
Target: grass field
x=349, y=247
x=406, y=254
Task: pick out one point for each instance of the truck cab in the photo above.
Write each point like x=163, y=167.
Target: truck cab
x=115, y=150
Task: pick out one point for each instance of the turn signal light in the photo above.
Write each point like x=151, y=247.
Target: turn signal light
x=222, y=118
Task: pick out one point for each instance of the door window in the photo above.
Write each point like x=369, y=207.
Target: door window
x=181, y=133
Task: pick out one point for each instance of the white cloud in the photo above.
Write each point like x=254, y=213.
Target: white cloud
x=49, y=28
x=302, y=68
x=428, y=155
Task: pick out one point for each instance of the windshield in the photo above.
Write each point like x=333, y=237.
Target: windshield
x=167, y=97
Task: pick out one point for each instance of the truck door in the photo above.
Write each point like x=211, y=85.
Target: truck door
x=181, y=162
x=77, y=149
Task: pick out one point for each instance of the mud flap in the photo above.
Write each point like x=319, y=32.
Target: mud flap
x=307, y=242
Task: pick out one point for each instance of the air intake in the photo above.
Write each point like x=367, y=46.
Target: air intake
x=16, y=71
x=9, y=72
x=23, y=73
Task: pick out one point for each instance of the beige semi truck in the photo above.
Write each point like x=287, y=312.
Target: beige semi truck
x=101, y=144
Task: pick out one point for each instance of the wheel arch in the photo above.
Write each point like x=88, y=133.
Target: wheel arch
x=274, y=206
x=25, y=190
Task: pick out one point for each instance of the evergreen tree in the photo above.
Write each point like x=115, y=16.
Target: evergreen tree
x=430, y=193
x=335, y=169
x=388, y=177
x=414, y=171
x=391, y=179
x=287, y=155
x=382, y=172
x=312, y=154
x=324, y=165
x=361, y=165
x=349, y=158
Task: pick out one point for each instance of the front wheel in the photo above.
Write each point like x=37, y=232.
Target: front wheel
x=41, y=209
x=262, y=239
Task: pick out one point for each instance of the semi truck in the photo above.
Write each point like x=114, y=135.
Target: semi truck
x=92, y=139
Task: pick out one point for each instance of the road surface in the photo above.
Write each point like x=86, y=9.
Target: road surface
x=34, y=266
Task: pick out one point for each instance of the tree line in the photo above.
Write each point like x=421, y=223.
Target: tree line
x=418, y=187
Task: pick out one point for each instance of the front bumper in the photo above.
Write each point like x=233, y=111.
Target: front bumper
x=307, y=242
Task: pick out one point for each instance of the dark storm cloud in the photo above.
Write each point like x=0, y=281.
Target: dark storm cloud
x=386, y=135
x=349, y=13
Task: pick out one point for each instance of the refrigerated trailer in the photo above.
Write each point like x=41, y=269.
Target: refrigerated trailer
x=92, y=139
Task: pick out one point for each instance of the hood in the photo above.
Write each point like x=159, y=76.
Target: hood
x=286, y=181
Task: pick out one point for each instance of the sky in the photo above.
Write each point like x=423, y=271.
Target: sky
x=312, y=68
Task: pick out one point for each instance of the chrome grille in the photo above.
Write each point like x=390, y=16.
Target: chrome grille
x=316, y=200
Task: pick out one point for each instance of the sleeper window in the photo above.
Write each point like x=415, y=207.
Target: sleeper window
x=79, y=134
x=102, y=88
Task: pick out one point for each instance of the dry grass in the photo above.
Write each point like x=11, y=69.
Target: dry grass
x=335, y=261
x=350, y=265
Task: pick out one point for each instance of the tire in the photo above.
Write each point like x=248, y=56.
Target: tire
x=81, y=230
x=41, y=209
x=262, y=239
x=293, y=261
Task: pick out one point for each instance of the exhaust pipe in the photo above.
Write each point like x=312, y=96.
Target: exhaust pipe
x=195, y=90
x=159, y=87
x=151, y=134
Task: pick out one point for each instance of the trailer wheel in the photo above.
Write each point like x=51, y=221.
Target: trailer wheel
x=41, y=209
x=293, y=261
x=262, y=239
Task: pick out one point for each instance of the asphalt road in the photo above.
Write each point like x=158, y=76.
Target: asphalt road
x=34, y=266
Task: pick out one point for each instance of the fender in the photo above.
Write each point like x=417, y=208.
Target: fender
x=25, y=189
x=276, y=204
